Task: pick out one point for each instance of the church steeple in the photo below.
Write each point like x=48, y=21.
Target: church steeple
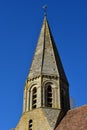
x=46, y=59
x=46, y=91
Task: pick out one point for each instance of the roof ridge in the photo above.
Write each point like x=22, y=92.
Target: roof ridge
x=85, y=105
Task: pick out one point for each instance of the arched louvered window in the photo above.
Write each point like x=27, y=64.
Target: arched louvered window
x=48, y=95
x=30, y=124
x=34, y=97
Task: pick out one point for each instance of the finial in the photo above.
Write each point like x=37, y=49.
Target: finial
x=45, y=7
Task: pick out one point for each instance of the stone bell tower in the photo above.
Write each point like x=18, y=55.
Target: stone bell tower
x=46, y=91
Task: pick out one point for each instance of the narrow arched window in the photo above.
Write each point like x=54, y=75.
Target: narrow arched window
x=48, y=95
x=30, y=124
x=34, y=97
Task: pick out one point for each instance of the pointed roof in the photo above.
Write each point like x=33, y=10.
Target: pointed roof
x=46, y=59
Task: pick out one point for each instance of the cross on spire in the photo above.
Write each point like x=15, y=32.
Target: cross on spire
x=45, y=8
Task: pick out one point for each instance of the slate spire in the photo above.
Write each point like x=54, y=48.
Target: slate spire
x=46, y=59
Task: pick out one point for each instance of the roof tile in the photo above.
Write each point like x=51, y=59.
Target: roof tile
x=75, y=119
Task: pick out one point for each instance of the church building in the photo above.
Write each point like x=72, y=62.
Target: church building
x=46, y=102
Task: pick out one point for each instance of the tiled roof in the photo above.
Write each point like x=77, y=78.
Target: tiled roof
x=75, y=119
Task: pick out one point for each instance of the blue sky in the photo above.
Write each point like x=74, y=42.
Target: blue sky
x=20, y=24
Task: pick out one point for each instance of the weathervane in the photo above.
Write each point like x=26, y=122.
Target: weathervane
x=45, y=7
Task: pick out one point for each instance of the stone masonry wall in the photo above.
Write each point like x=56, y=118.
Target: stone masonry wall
x=43, y=119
